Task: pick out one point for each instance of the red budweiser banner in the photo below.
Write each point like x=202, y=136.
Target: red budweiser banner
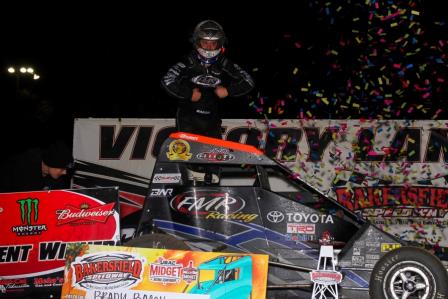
x=36, y=228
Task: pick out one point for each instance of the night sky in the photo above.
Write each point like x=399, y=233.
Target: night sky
x=310, y=59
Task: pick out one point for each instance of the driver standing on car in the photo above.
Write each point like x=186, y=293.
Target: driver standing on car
x=202, y=78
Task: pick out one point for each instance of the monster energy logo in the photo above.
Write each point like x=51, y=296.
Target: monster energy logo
x=29, y=212
x=27, y=206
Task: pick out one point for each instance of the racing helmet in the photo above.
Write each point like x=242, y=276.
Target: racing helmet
x=208, y=40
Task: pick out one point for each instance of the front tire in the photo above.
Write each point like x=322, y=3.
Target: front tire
x=162, y=241
x=408, y=273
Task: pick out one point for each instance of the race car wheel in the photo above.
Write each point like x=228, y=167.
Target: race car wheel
x=162, y=241
x=408, y=272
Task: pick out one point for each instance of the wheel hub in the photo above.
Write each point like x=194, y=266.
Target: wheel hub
x=409, y=286
x=410, y=281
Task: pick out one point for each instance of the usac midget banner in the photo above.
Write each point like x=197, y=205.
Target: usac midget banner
x=36, y=228
x=104, y=272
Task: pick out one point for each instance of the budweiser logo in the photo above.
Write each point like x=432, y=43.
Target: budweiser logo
x=74, y=214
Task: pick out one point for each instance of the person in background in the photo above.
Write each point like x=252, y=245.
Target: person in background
x=37, y=169
x=202, y=78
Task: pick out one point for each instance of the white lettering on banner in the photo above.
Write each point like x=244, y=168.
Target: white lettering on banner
x=166, y=178
x=67, y=214
x=130, y=294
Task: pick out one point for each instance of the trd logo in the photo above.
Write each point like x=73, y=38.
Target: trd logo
x=297, y=228
x=161, y=192
x=27, y=207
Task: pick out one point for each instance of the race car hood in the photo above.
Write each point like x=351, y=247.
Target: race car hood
x=193, y=148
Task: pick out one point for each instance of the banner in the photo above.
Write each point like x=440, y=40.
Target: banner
x=394, y=172
x=36, y=228
x=137, y=273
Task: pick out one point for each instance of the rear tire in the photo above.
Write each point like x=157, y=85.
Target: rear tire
x=408, y=272
x=162, y=241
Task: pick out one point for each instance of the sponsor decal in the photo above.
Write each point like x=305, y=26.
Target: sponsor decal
x=27, y=207
x=29, y=214
x=206, y=202
x=205, y=112
x=216, y=155
x=275, y=216
x=301, y=237
x=386, y=247
x=40, y=282
x=212, y=205
x=13, y=284
x=166, y=178
x=356, y=251
x=245, y=217
x=107, y=271
x=309, y=218
x=358, y=260
x=165, y=271
x=190, y=273
x=399, y=212
x=372, y=244
x=179, y=150
x=206, y=80
x=189, y=137
x=372, y=256
x=155, y=192
x=84, y=215
x=326, y=277
x=359, y=198
x=298, y=228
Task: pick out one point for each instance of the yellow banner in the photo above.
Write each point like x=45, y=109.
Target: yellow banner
x=140, y=273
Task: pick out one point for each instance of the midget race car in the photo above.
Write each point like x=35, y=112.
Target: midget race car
x=213, y=195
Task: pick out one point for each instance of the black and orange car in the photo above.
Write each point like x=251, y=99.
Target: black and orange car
x=214, y=195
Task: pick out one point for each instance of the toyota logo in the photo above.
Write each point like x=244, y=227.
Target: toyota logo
x=275, y=216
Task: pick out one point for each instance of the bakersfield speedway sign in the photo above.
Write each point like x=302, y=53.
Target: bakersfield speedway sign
x=139, y=273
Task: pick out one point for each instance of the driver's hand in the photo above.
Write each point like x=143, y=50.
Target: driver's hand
x=196, y=95
x=221, y=92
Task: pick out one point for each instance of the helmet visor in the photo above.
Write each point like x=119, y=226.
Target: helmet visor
x=208, y=48
x=209, y=44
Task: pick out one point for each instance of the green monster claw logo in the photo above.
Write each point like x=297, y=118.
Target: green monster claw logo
x=26, y=209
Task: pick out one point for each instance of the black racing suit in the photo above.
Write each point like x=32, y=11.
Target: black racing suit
x=202, y=117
